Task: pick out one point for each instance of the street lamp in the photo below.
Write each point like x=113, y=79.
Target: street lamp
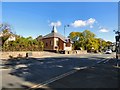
x=65, y=28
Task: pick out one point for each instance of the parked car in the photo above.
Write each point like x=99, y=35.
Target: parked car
x=109, y=51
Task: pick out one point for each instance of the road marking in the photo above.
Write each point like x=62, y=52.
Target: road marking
x=5, y=69
x=59, y=66
x=58, y=77
x=53, y=79
x=101, y=61
x=107, y=57
x=58, y=61
x=63, y=75
x=106, y=61
x=80, y=68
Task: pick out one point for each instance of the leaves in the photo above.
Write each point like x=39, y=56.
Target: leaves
x=24, y=44
x=88, y=41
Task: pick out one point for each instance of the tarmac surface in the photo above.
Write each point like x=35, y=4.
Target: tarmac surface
x=98, y=76
x=64, y=71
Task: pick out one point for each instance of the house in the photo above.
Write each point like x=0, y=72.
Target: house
x=11, y=38
x=56, y=42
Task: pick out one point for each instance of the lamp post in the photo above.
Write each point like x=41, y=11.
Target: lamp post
x=65, y=28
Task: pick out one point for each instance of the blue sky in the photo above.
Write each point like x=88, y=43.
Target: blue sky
x=36, y=18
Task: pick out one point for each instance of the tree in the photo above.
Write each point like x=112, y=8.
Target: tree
x=85, y=40
x=89, y=40
x=75, y=37
x=108, y=44
x=21, y=43
x=5, y=31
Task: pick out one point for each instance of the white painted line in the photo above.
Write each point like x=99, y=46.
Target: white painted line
x=80, y=68
x=58, y=77
x=57, y=61
x=5, y=69
x=59, y=66
x=77, y=68
x=106, y=61
x=61, y=76
x=101, y=61
x=53, y=79
x=108, y=57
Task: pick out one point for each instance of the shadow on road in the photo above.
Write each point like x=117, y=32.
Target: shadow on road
x=38, y=70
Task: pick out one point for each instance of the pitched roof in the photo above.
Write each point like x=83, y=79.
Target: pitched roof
x=54, y=34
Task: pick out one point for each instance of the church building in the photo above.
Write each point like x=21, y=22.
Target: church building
x=56, y=42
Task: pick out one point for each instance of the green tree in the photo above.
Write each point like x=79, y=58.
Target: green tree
x=75, y=37
x=85, y=40
x=88, y=39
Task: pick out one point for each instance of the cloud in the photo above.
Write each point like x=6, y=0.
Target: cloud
x=103, y=30
x=81, y=23
x=91, y=26
x=57, y=24
x=90, y=21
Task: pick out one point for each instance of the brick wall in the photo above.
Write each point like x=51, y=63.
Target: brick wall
x=36, y=54
x=48, y=43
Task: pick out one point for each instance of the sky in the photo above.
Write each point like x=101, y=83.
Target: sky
x=60, y=0
x=38, y=18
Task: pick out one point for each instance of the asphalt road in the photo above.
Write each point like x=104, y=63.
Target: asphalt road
x=47, y=72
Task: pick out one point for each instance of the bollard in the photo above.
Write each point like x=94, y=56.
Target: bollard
x=26, y=54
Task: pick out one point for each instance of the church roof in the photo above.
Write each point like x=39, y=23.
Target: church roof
x=54, y=34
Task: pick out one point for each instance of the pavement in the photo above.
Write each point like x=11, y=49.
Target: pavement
x=71, y=71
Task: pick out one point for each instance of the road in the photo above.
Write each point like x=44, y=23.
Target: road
x=51, y=72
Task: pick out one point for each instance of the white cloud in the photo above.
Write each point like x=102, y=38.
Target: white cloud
x=91, y=26
x=104, y=30
x=90, y=21
x=81, y=23
x=57, y=24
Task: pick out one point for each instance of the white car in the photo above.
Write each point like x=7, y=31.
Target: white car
x=109, y=51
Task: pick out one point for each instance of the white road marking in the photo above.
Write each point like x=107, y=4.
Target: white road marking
x=5, y=69
x=106, y=61
x=80, y=68
x=108, y=57
x=59, y=66
x=53, y=79
x=101, y=61
x=58, y=61
x=58, y=77
x=63, y=75
x=20, y=66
